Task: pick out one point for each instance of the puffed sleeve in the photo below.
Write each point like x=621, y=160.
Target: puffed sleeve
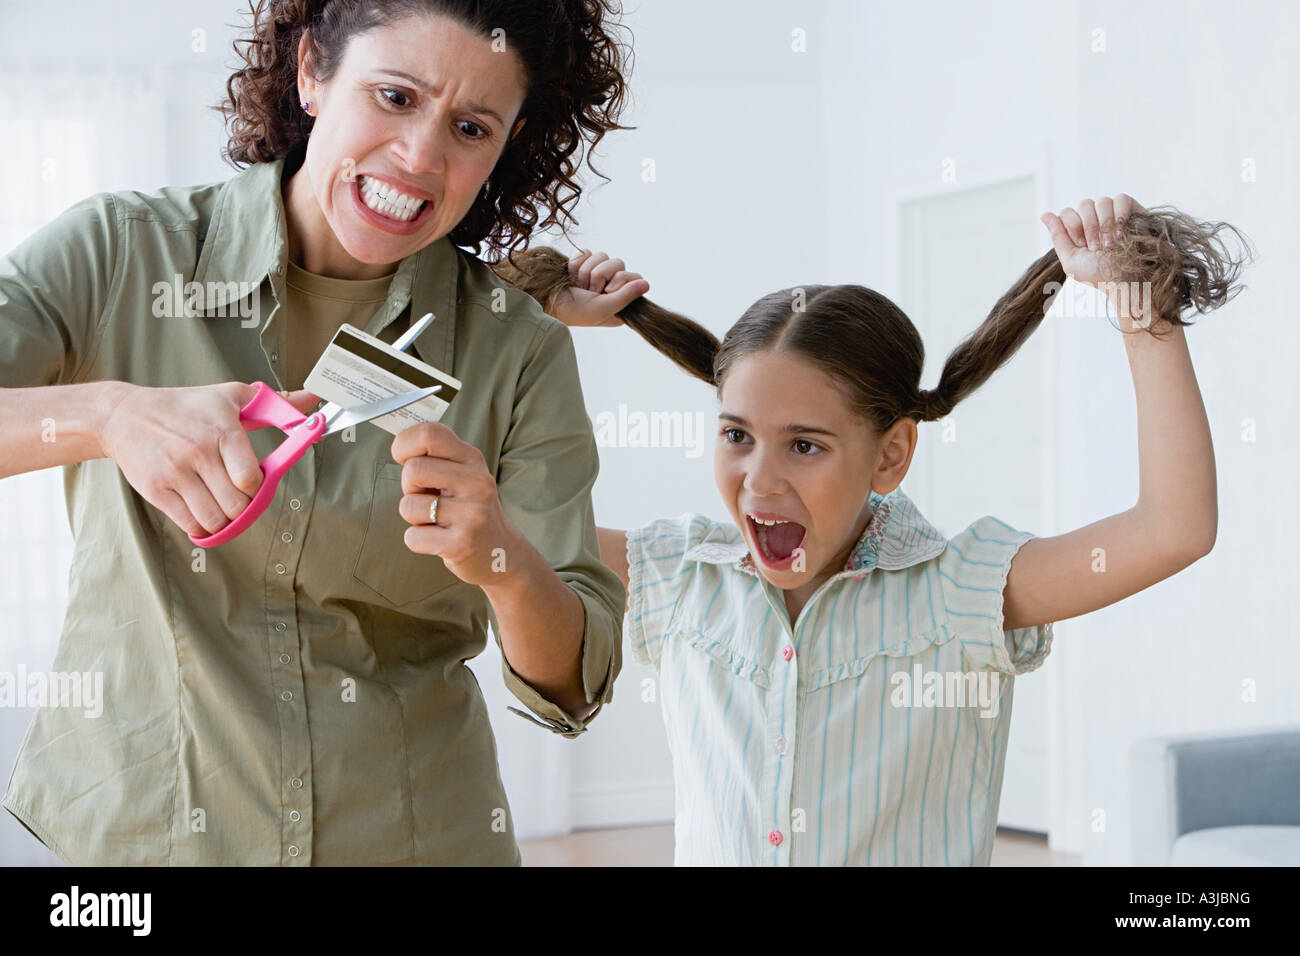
x=54, y=291
x=547, y=469
x=658, y=574
x=974, y=570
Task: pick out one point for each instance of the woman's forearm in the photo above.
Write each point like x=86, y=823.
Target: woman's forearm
x=49, y=425
x=1178, y=490
x=542, y=622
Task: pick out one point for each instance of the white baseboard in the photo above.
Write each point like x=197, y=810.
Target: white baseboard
x=622, y=805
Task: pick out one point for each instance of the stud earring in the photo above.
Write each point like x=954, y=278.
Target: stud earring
x=306, y=108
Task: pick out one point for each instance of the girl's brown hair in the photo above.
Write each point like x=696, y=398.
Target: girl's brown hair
x=576, y=91
x=873, y=352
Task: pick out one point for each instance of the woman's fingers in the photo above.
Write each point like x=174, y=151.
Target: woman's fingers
x=173, y=506
x=194, y=491
x=1091, y=230
x=585, y=270
x=240, y=462
x=604, y=272
x=576, y=262
x=622, y=279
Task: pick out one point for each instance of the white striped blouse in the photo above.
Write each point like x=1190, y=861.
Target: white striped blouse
x=873, y=731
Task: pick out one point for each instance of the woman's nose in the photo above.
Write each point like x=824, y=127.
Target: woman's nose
x=424, y=149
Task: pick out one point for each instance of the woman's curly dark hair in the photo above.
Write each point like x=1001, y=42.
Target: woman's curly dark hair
x=576, y=92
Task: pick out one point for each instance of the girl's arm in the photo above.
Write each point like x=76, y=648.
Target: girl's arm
x=613, y=554
x=1175, y=520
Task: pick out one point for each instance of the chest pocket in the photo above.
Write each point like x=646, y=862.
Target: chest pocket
x=385, y=564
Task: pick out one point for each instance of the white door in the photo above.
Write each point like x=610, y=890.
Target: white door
x=962, y=249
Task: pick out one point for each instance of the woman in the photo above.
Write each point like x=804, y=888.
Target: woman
x=299, y=695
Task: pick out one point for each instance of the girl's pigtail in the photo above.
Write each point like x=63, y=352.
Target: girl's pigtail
x=543, y=272
x=1164, y=261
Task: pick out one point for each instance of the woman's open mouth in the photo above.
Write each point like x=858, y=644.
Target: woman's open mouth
x=778, y=540
x=382, y=205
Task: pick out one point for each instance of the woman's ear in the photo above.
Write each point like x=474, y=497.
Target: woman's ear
x=306, y=82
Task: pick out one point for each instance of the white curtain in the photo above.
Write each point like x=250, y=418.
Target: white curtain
x=68, y=135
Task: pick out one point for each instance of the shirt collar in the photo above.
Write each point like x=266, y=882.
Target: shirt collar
x=247, y=242
x=898, y=536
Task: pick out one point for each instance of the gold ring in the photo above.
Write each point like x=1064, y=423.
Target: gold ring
x=433, y=511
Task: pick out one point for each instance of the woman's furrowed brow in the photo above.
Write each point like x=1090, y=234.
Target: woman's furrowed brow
x=426, y=87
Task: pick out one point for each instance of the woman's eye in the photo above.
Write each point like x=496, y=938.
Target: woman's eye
x=810, y=445
x=728, y=432
x=474, y=132
x=405, y=98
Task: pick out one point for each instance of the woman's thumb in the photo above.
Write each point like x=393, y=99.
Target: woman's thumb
x=302, y=400
x=629, y=294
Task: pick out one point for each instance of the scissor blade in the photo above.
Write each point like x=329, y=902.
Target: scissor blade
x=413, y=333
x=385, y=406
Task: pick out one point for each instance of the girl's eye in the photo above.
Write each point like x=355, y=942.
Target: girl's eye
x=405, y=99
x=728, y=432
x=804, y=441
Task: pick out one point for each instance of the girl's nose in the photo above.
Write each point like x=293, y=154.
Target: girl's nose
x=762, y=478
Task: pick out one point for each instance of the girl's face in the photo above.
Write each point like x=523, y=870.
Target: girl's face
x=422, y=107
x=790, y=451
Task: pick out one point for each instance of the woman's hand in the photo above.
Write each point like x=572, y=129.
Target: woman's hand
x=1081, y=236
x=603, y=289
x=187, y=453
x=473, y=536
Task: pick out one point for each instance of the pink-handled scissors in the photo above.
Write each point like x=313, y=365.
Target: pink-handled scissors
x=268, y=408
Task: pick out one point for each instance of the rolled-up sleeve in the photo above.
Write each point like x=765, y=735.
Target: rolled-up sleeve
x=54, y=293
x=547, y=469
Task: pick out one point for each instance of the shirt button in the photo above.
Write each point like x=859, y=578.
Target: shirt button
x=280, y=569
x=295, y=816
x=787, y=652
x=780, y=745
x=774, y=838
x=286, y=537
x=284, y=658
x=287, y=695
x=295, y=782
x=280, y=626
x=275, y=356
x=295, y=504
x=293, y=850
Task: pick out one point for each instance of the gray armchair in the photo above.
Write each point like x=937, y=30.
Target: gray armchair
x=1220, y=799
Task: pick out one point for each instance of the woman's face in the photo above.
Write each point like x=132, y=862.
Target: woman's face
x=418, y=146
x=791, y=451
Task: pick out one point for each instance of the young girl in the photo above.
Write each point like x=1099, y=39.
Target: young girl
x=835, y=674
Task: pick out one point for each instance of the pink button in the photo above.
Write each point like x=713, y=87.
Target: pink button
x=787, y=652
x=774, y=838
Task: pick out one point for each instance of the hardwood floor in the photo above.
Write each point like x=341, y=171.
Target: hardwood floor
x=653, y=846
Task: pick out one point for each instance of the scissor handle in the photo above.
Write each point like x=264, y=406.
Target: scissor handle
x=268, y=408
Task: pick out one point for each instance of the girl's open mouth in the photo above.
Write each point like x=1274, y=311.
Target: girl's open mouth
x=778, y=541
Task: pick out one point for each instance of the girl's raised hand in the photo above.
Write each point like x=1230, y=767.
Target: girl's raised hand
x=603, y=288
x=1081, y=235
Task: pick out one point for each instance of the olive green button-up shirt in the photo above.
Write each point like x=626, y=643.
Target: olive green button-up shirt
x=298, y=695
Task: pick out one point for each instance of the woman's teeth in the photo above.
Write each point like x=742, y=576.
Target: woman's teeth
x=386, y=200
